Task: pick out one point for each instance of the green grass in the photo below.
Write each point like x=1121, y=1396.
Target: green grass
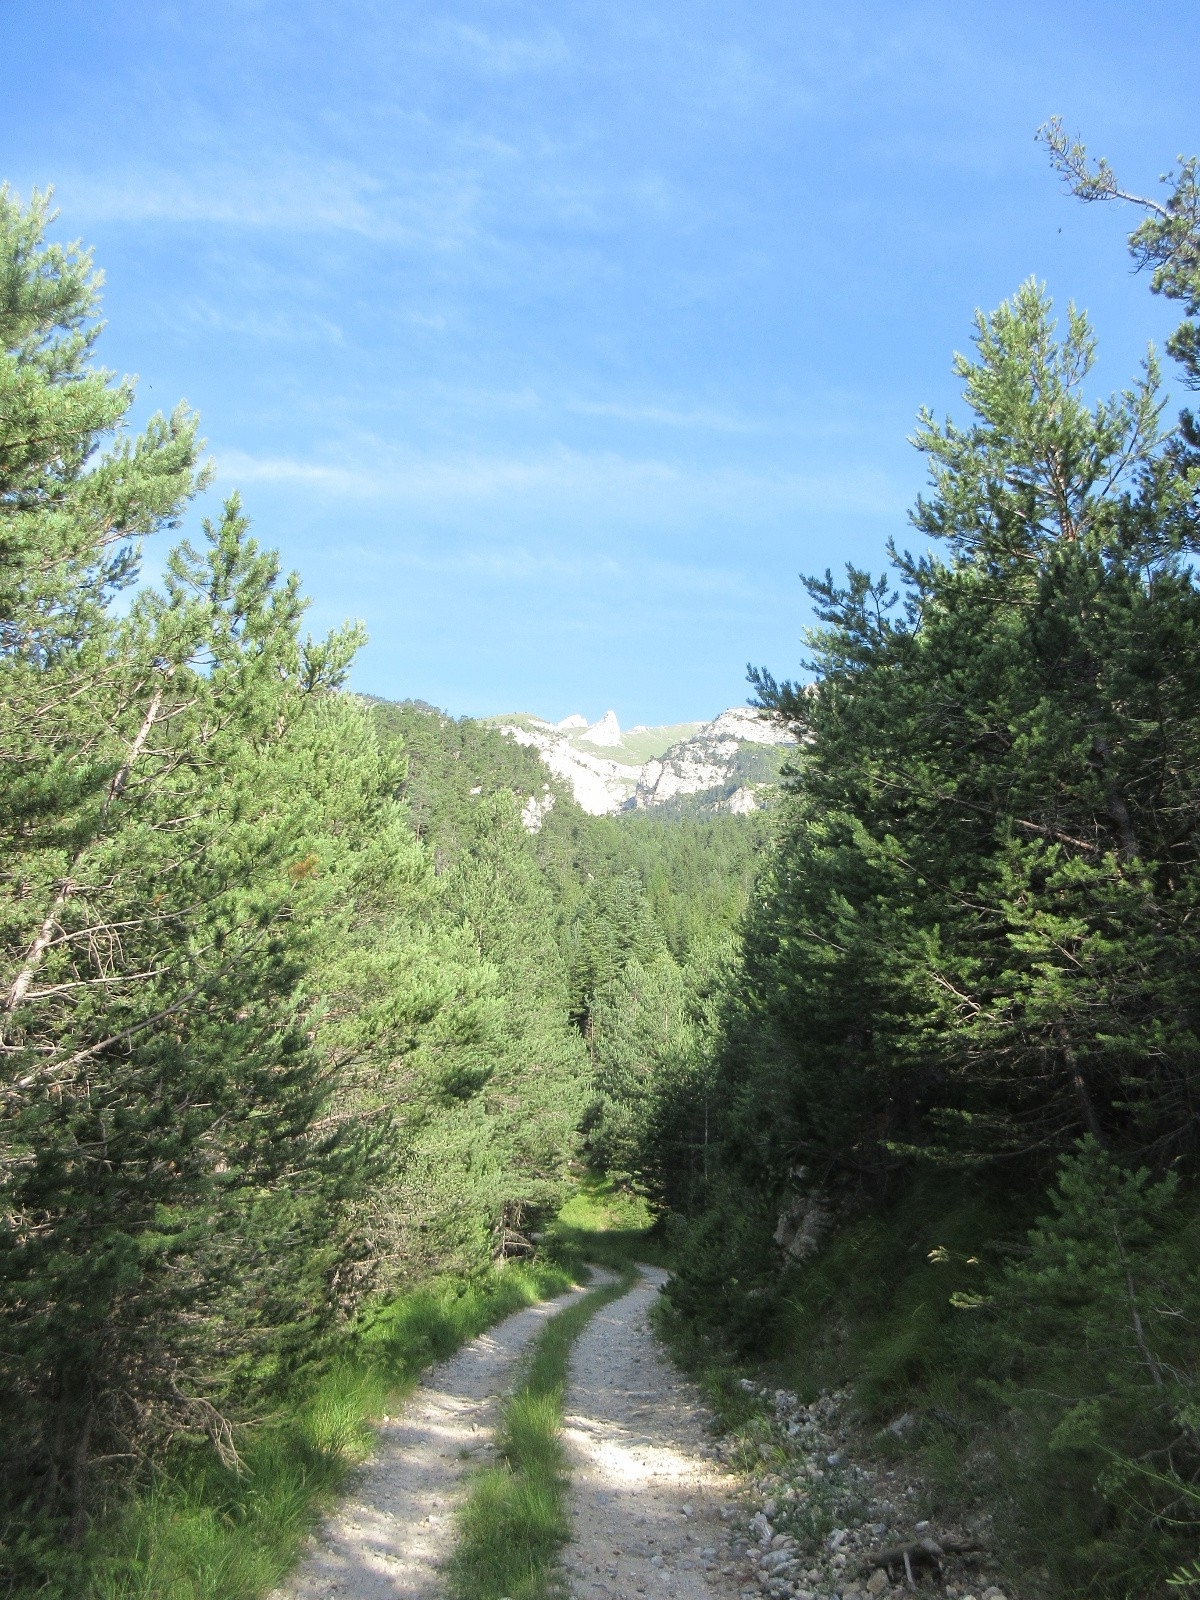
x=515, y=1520
x=203, y=1532
x=607, y=1226
x=639, y=747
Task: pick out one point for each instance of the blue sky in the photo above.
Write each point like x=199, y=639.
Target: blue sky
x=554, y=341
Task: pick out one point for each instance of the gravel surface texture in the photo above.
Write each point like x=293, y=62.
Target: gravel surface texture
x=391, y=1536
x=651, y=1510
x=659, y=1508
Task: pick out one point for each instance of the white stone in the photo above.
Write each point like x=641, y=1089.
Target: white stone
x=605, y=732
x=602, y=784
x=535, y=811
x=745, y=724
x=741, y=802
x=902, y=1425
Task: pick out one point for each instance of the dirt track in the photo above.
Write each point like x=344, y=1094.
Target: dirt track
x=392, y=1535
x=645, y=1501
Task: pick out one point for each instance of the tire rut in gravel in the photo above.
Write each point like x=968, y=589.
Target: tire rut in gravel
x=390, y=1538
x=647, y=1503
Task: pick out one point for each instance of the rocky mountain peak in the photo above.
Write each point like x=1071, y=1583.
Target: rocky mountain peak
x=606, y=732
x=728, y=764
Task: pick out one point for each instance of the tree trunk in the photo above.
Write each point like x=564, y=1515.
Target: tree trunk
x=80, y=1463
x=19, y=987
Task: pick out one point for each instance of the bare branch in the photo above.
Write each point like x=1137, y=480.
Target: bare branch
x=1056, y=835
x=53, y=1070
x=1069, y=158
x=19, y=987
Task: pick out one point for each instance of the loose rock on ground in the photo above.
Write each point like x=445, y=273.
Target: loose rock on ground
x=825, y=1512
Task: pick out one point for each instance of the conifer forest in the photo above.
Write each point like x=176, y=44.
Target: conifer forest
x=310, y=1043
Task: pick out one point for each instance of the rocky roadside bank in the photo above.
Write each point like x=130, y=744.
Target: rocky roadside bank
x=826, y=1522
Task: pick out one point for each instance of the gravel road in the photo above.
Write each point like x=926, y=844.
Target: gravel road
x=392, y=1535
x=647, y=1504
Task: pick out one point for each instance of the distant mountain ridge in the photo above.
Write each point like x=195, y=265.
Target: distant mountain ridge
x=727, y=764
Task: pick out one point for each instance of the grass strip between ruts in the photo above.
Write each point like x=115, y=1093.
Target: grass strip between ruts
x=205, y=1532
x=515, y=1520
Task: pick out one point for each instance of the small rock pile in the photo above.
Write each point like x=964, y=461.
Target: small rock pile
x=827, y=1527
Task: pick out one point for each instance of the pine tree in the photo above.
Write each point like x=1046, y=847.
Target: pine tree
x=976, y=938
x=165, y=1192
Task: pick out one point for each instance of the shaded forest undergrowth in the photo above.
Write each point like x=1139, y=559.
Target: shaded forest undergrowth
x=984, y=1353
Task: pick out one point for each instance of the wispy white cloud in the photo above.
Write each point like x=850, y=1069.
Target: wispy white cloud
x=280, y=327
x=453, y=477
x=504, y=55
x=463, y=202
x=826, y=414
x=601, y=573
x=577, y=481
x=433, y=209
x=513, y=563
x=701, y=417
x=234, y=465
x=435, y=321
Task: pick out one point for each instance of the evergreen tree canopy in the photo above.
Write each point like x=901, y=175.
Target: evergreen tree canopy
x=975, y=942
x=265, y=1046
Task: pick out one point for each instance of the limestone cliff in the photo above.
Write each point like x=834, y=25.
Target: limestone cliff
x=726, y=764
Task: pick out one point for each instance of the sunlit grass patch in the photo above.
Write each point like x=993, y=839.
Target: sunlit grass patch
x=205, y=1532
x=608, y=1225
